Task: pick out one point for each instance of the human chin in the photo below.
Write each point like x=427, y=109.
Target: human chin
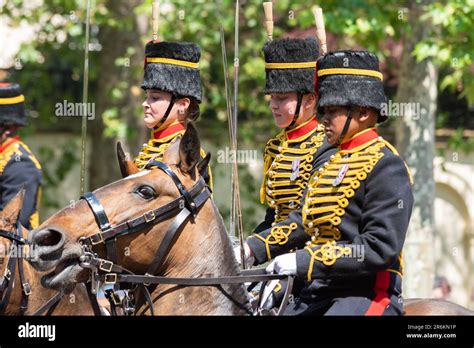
x=150, y=121
x=330, y=136
x=281, y=121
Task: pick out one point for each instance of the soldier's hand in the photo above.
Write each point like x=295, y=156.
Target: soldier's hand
x=248, y=255
x=283, y=264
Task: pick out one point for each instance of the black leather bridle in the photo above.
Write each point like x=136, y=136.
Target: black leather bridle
x=7, y=281
x=184, y=208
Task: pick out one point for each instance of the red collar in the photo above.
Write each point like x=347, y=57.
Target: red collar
x=9, y=142
x=299, y=132
x=173, y=129
x=360, y=139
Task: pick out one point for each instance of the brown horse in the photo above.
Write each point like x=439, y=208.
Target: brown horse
x=201, y=249
x=76, y=303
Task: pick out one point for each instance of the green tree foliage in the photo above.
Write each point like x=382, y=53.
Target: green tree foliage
x=52, y=62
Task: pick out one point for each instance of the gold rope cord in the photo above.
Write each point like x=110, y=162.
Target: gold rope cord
x=280, y=192
x=155, y=149
x=325, y=204
x=278, y=235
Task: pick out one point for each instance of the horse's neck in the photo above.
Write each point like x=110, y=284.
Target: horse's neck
x=202, y=250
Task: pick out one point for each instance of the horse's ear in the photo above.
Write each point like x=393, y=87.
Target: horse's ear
x=189, y=149
x=127, y=167
x=11, y=212
x=203, y=164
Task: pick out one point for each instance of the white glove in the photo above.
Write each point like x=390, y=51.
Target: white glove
x=249, y=259
x=283, y=264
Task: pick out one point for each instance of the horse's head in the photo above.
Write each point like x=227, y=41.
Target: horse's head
x=137, y=212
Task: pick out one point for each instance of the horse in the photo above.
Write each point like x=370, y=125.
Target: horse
x=23, y=293
x=133, y=233
x=199, y=248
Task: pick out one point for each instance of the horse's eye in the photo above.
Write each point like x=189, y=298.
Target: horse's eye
x=146, y=192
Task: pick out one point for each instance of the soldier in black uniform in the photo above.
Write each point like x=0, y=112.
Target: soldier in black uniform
x=300, y=148
x=352, y=225
x=18, y=166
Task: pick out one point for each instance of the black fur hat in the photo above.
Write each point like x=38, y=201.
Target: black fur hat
x=12, y=105
x=173, y=67
x=288, y=77
x=357, y=82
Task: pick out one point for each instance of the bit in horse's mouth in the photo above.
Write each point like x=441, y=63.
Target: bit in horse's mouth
x=64, y=277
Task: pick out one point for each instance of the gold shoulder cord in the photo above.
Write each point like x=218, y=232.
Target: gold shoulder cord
x=14, y=150
x=32, y=157
x=327, y=199
x=394, y=150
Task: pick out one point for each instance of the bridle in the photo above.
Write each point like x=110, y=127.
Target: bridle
x=184, y=209
x=8, y=279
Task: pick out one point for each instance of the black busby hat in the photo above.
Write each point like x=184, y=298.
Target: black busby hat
x=350, y=78
x=173, y=67
x=12, y=105
x=290, y=65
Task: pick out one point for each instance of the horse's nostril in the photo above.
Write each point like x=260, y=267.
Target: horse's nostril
x=48, y=238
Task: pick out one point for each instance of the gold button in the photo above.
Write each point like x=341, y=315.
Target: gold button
x=310, y=224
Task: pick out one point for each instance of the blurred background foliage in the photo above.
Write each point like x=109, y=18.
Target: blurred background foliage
x=49, y=66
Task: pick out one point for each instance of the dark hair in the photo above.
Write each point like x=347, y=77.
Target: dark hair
x=193, y=109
